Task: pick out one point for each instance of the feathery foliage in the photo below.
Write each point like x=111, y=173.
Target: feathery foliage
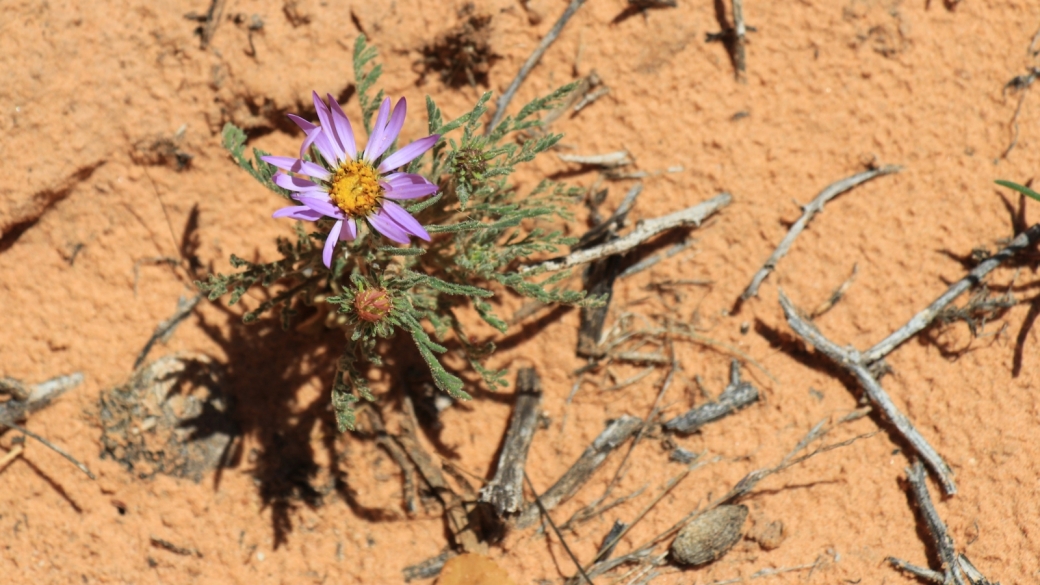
x=482, y=226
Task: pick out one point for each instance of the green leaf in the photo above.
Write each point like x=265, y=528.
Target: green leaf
x=1020, y=188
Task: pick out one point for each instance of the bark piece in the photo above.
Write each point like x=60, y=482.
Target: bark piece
x=505, y=492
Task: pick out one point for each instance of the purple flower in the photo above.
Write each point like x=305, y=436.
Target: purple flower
x=349, y=186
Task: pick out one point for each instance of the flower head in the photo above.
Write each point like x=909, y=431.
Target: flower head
x=347, y=185
x=372, y=304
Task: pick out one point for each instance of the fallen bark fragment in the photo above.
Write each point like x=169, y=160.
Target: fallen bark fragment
x=736, y=396
x=505, y=491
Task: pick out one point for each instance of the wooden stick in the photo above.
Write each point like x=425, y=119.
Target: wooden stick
x=737, y=395
x=810, y=210
x=644, y=230
x=616, y=433
x=921, y=320
x=919, y=572
x=850, y=361
x=507, y=96
x=454, y=509
x=936, y=527
x=506, y=490
x=548, y=518
x=50, y=446
x=740, y=32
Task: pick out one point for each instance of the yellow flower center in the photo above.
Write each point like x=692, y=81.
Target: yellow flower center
x=355, y=188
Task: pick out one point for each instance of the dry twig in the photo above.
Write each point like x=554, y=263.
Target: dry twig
x=808, y=211
x=644, y=230
x=851, y=361
x=737, y=395
x=941, y=538
x=616, y=433
x=921, y=320
x=507, y=96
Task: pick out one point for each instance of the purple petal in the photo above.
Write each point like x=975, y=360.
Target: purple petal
x=409, y=153
x=330, y=244
x=324, y=144
x=405, y=190
x=405, y=220
x=349, y=230
x=326, y=127
x=295, y=183
x=383, y=224
x=300, y=212
x=341, y=125
x=288, y=163
x=393, y=129
x=322, y=206
x=394, y=178
x=303, y=124
x=308, y=130
x=378, y=130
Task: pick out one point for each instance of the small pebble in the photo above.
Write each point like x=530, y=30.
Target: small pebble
x=768, y=536
x=710, y=535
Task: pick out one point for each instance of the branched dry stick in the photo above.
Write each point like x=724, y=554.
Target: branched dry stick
x=808, y=211
x=506, y=490
x=623, y=468
x=49, y=445
x=943, y=542
x=921, y=320
x=920, y=572
x=503, y=102
x=737, y=395
x=386, y=441
x=209, y=27
x=644, y=230
x=851, y=361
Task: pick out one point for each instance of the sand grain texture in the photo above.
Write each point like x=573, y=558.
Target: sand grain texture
x=832, y=86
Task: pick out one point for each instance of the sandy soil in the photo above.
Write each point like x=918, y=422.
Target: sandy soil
x=88, y=88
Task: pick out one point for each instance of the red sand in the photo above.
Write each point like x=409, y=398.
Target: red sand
x=831, y=87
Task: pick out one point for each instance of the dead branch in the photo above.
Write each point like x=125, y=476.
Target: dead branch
x=454, y=509
x=609, y=160
x=616, y=433
x=921, y=320
x=940, y=537
x=808, y=211
x=543, y=45
x=740, y=31
x=739, y=490
x=737, y=395
x=506, y=490
x=644, y=230
x=851, y=361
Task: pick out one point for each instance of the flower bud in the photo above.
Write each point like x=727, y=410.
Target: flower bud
x=372, y=304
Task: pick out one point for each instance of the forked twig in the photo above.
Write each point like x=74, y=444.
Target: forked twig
x=851, y=361
x=808, y=211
